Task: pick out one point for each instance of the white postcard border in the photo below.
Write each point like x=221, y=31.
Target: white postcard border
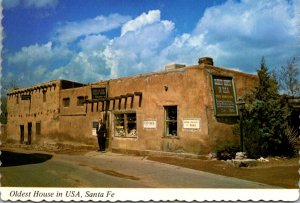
x=138, y=194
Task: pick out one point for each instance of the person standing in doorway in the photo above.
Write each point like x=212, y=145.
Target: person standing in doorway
x=101, y=134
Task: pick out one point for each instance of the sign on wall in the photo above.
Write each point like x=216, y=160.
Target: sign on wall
x=224, y=96
x=191, y=124
x=150, y=124
x=98, y=92
x=26, y=97
x=94, y=128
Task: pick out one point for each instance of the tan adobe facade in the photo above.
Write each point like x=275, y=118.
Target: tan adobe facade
x=182, y=109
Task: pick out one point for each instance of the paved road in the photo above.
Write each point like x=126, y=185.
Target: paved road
x=96, y=169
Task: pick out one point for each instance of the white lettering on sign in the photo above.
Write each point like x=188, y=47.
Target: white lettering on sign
x=191, y=124
x=150, y=124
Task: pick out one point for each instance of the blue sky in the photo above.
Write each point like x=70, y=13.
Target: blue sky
x=88, y=41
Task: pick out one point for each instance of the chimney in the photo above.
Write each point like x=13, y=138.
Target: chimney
x=206, y=61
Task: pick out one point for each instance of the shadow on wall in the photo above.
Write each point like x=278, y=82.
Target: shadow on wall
x=18, y=159
x=228, y=120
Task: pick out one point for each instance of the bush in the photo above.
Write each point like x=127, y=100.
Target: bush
x=227, y=152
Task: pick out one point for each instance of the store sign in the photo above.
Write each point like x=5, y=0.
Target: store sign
x=26, y=97
x=224, y=96
x=191, y=124
x=149, y=124
x=98, y=93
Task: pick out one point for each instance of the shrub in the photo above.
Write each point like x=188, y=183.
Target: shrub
x=227, y=152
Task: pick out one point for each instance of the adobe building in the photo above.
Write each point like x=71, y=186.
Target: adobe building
x=181, y=109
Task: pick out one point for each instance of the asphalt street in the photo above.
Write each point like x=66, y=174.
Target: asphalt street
x=96, y=169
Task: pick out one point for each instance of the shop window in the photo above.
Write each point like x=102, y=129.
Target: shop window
x=66, y=102
x=38, y=128
x=80, y=100
x=171, y=120
x=125, y=125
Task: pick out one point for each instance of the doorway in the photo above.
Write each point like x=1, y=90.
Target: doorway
x=29, y=133
x=21, y=134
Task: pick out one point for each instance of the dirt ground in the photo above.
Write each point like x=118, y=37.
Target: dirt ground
x=281, y=172
x=278, y=171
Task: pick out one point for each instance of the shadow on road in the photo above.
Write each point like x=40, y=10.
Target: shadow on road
x=16, y=159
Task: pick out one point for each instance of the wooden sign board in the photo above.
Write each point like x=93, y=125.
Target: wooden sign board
x=99, y=93
x=26, y=97
x=224, y=96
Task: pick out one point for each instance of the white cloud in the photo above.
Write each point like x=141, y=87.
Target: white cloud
x=143, y=20
x=93, y=42
x=247, y=30
x=68, y=32
x=36, y=54
x=235, y=34
x=30, y=3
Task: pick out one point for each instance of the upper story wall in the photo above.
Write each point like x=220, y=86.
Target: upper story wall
x=72, y=101
x=35, y=102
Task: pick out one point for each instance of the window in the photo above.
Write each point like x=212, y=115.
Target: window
x=171, y=120
x=80, y=100
x=125, y=125
x=66, y=102
x=17, y=99
x=44, y=96
x=38, y=128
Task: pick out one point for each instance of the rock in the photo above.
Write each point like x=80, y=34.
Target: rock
x=243, y=162
x=212, y=155
x=261, y=159
x=241, y=155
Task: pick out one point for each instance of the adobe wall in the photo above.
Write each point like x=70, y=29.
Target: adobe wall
x=181, y=91
x=190, y=89
x=3, y=133
x=40, y=108
x=220, y=129
x=76, y=121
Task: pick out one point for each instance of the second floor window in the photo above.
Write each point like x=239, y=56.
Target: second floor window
x=80, y=100
x=66, y=102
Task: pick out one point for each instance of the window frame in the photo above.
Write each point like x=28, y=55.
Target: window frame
x=124, y=124
x=80, y=103
x=168, y=121
x=68, y=100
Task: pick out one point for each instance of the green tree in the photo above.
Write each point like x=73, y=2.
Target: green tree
x=266, y=118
